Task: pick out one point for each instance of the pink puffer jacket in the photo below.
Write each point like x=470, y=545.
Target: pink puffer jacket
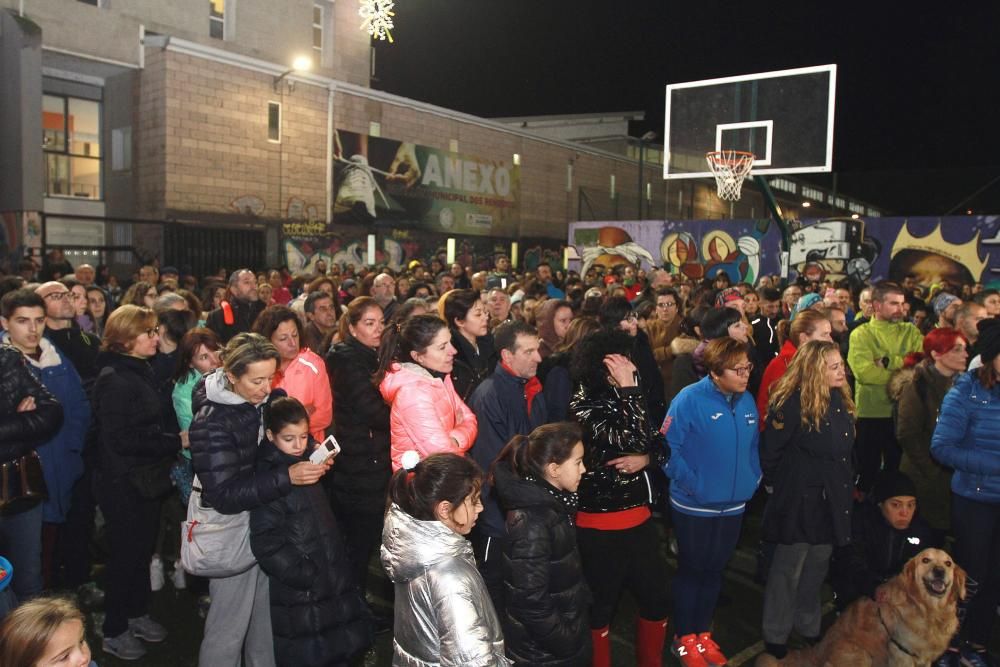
x=427, y=415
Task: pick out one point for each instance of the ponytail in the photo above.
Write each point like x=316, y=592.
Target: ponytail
x=400, y=339
x=437, y=478
x=527, y=455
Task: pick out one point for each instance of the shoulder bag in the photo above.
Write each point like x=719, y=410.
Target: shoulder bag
x=214, y=544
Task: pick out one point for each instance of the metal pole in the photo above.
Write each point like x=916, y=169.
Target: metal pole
x=775, y=210
x=642, y=146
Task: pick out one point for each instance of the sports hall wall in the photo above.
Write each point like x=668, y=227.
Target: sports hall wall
x=954, y=249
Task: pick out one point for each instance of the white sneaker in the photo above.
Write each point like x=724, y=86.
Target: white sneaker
x=178, y=577
x=358, y=185
x=156, y=578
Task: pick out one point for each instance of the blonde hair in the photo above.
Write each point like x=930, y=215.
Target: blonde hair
x=26, y=631
x=124, y=325
x=245, y=349
x=807, y=373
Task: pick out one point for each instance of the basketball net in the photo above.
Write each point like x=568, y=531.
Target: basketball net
x=730, y=168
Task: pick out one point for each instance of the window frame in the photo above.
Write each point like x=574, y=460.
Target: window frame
x=271, y=103
x=69, y=155
x=220, y=20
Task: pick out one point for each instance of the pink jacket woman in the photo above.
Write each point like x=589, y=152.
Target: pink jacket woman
x=305, y=379
x=427, y=415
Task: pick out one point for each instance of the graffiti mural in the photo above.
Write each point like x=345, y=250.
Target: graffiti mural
x=934, y=249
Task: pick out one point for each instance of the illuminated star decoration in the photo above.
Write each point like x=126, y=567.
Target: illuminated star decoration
x=377, y=15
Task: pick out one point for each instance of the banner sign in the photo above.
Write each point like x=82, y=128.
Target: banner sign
x=387, y=183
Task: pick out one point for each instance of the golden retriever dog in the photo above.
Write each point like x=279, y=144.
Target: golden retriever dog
x=909, y=624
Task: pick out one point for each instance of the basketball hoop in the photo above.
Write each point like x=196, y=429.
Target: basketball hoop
x=731, y=168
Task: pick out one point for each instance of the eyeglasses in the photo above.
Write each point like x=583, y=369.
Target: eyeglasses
x=58, y=296
x=666, y=305
x=155, y=331
x=742, y=371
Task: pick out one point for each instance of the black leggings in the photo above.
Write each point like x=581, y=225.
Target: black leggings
x=630, y=559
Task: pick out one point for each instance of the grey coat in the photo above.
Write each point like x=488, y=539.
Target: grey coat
x=443, y=614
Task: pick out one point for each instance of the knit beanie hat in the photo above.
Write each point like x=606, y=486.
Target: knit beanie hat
x=893, y=484
x=806, y=301
x=943, y=300
x=726, y=295
x=988, y=342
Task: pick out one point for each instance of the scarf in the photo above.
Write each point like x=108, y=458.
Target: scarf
x=532, y=386
x=567, y=499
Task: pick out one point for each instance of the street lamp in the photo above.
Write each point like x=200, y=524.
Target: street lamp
x=300, y=64
x=643, y=140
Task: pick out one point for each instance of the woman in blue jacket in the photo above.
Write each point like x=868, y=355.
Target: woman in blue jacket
x=714, y=469
x=967, y=439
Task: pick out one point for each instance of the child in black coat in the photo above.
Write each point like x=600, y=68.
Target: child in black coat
x=536, y=478
x=318, y=616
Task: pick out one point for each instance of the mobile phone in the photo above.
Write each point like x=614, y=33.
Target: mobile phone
x=327, y=449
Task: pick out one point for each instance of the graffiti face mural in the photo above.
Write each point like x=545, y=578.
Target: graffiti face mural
x=932, y=259
x=934, y=249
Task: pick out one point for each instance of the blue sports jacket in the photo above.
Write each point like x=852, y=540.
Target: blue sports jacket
x=967, y=438
x=714, y=465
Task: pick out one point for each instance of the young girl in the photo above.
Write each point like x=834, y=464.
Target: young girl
x=42, y=632
x=317, y=614
x=443, y=614
x=536, y=478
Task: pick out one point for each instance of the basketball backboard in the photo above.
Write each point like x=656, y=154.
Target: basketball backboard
x=785, y=118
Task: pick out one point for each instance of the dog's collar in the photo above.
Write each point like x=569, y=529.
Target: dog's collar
x=895, y=641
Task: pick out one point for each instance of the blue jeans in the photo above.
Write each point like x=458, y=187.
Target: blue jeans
x=704, y=546
x=21, y=544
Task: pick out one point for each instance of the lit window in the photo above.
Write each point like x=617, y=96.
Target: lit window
x=217, y=18
x=71, y=140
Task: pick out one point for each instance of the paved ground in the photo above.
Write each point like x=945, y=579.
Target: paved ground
x=737, y=624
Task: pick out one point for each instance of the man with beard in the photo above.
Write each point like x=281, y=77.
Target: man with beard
x=237, y=314
x=384, y=293
x=877, y=348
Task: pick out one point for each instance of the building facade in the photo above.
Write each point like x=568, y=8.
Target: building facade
x=179, y=131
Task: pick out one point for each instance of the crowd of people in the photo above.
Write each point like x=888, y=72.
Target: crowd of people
x=507, y=443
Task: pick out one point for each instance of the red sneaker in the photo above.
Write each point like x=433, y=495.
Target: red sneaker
x=688, y=652
x=710, y=651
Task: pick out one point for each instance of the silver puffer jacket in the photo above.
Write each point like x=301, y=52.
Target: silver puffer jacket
x=443, y=614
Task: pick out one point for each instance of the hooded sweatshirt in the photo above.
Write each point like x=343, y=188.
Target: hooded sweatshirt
x=443, y=614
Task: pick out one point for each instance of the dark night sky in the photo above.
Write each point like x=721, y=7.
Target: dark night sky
x=916, y=91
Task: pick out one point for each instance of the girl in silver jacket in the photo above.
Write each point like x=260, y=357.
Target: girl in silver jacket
x=443, y=614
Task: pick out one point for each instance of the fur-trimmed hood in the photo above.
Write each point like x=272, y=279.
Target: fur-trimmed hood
x=683, y=345
x=898, y=381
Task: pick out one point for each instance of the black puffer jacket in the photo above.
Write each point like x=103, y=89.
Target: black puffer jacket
x=224, y=436
x=546, y=623
x=130, y=420
x=317, y=614
x=244, y=314
x=21, y=432
x=614, y=424
x=471, y=366
x=358, y=482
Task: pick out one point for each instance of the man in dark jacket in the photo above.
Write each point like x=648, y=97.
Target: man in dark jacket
x=81, y=349
x=886, y=534
x=765, y=326
x=507, y=403
x=29, y=416
x=237, y=314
